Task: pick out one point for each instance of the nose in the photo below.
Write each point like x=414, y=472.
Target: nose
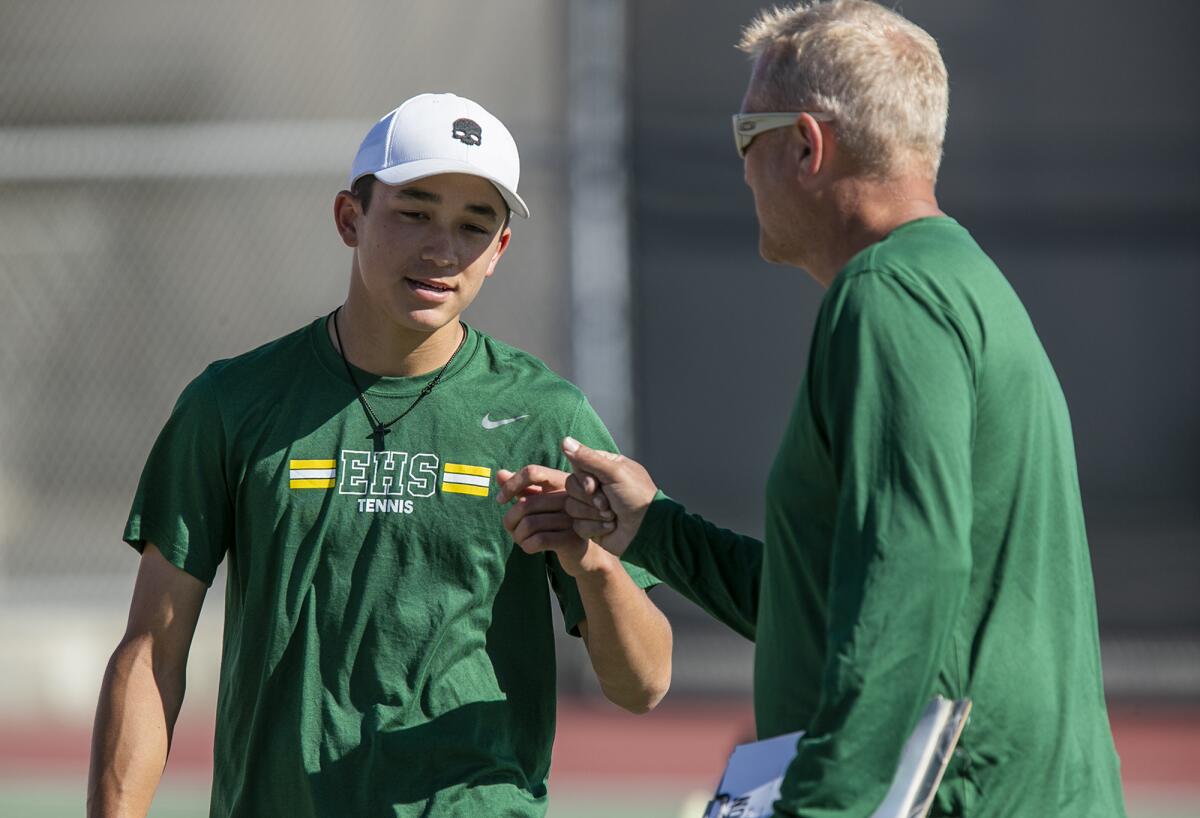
x=439, y=248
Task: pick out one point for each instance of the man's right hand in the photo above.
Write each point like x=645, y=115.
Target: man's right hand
x=606, y=488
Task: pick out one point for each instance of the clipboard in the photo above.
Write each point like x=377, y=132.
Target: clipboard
x=752, y=779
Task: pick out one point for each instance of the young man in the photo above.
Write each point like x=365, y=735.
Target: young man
x=387, y=651
x=924, y=531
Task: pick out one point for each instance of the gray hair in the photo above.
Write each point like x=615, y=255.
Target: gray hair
x=879, y=75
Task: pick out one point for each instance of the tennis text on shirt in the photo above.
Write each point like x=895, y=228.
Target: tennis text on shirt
x=388, y=481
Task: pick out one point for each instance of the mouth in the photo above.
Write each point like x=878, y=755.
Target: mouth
x=431, y=288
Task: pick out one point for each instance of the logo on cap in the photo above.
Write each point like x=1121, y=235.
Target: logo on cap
x=467, y=131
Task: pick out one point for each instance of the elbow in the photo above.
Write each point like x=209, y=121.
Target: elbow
x=639, y=702
x=652, y=696
x=138, y=663
x=132, y=657
x=643, y=697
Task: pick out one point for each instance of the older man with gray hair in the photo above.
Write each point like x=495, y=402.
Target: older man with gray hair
x=924, y=530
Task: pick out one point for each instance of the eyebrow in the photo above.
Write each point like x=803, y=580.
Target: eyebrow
x=485, y=210
x=422, y=195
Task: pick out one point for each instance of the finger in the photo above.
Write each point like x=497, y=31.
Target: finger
x=503, y=476
x=533, y=504
x=593, y=529
x=557, y=541
x=579, y=510
x=577, y=486
x=558, y=524
x=543, y=531
x=540, y=503
x=586, y=489
x=588, y=482
x=512, y=518
x=530, y=478
x=605, y=466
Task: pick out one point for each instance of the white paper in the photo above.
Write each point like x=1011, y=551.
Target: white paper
x=752, y=780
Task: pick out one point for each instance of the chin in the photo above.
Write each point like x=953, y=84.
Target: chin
x=767, y=250
x=421, y=320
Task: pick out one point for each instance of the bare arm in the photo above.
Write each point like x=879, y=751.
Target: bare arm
x=628, y=639
x=142, y=690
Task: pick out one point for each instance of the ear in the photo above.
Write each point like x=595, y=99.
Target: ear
x=501, y=246
x=811, y=146
x=346, y=212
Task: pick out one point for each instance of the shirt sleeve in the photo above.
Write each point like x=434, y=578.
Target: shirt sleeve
x=183, y=504
x=716, y=568
x=588, y=429
x=895, y=396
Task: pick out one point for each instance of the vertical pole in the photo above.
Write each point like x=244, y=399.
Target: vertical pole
x=600, y=321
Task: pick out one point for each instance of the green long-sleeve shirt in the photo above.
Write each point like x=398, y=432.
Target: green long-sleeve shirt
x=924, y=535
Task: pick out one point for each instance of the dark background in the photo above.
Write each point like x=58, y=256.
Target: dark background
x=1071, y=155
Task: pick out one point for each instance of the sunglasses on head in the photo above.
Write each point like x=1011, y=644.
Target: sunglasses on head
x=748, y=126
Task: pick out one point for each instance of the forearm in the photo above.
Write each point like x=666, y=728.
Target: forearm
x=716, y=568
x=628, y=638
x=135, y=718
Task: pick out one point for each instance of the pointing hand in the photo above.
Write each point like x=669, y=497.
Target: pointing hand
x=606, y=484
x=537, y=520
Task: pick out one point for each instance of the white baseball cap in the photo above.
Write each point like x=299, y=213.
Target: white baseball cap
x=441, y=133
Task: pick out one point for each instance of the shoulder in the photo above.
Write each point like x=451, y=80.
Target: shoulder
x=231, y=385
x=931, y=262
x=265, y=359
x=876, y=294
x=519, y=383
x=925, y=269
x=515, y=368
x=893, y=316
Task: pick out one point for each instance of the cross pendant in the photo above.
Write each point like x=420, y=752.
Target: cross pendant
x=377, y=434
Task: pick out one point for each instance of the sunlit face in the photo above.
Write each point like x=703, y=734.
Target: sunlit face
x=763, y=175
x=424, y=248
x=771, y=171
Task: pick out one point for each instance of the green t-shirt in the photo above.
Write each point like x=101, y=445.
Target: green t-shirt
x=924, y=535
x=387, y=650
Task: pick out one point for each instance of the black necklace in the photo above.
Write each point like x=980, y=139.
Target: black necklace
x=380, y=430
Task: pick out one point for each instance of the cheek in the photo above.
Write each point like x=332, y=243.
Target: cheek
x=758, y=177
x=760, y=189
x=372, y=245
x=479, y=271
x=382, y=263
x=493, y=260
x=488, y=259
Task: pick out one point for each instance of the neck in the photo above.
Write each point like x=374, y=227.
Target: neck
x=376, y=344
x=861, y=212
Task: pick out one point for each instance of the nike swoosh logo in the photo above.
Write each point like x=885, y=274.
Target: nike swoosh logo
x=488, y=423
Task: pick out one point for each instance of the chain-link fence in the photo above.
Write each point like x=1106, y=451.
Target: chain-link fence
x=166, y=177
x=167, y=172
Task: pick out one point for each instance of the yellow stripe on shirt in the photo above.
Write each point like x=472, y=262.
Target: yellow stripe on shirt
x=461, y=488
x=459, y=468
